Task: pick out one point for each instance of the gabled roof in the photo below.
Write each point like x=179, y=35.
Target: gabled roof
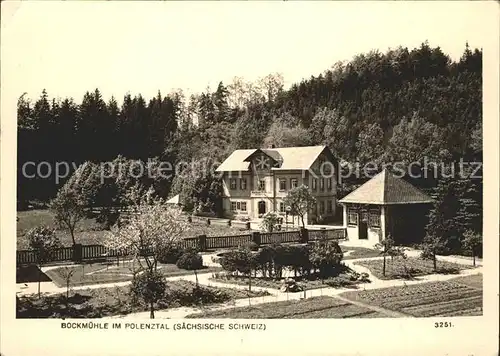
x=292, y=158
x=386, y=189
x=236, y=161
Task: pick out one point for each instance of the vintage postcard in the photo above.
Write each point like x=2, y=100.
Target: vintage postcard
x=282, y=177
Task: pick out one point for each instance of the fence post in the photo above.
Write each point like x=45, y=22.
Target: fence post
x=77, y=252
x=256, y=237
x=304, y=235
x=202, y=243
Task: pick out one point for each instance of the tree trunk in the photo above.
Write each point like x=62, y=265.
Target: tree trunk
x=473, y=258
x=434, y=260
x=39, y=279
x=67, y=298
x=383, y=268
x=72, y=232
x=196, y=276
x=152, y=311
x=250, y=282
x=303, y=223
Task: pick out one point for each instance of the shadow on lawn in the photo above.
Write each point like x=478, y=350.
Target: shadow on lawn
x=31, y=273
x=77, y=306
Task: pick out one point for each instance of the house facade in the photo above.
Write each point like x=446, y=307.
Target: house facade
x=385, y=205
x=256, y=181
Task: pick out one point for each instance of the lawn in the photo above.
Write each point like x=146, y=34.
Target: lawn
x=102, y=302
x=408, y=268
x=359, y=252
x=310, y=308
x=462, y=296
x=109, y=272
x=89, y=232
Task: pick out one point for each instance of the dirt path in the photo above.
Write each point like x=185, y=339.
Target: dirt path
x=389, y=313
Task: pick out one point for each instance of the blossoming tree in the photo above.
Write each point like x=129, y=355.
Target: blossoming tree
x=152, y=227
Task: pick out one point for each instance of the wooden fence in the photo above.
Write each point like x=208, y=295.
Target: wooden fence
x=215, y=242
x=202, y=243
x=333, y=234
x=280, y=237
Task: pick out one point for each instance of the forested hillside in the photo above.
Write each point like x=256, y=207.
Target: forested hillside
x=405, y=105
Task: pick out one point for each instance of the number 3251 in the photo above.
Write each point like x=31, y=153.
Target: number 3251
x=443, y=324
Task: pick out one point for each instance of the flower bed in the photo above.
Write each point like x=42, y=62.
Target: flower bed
x=449, y=298
x=102, y=302
x=347, y=278
x=411, y=267
x=311, y=308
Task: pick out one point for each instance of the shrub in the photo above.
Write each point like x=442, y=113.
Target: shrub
x=326, y=256
x=339, y=281
x=252, y=246
x=240, y=260
x=269, y=221
x=189, y=295
x=44, y=242
x=264, y=260
x=170, y=255
x=190, y=261
x=148, y=287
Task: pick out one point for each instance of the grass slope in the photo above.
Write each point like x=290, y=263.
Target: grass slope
x=89, y=232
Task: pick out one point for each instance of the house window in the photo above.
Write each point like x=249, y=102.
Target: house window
x=294, y=183
x=243, y=206
x=232, y=183
x=238, y=205
x=282, y=207
x=243, y=183
x=352, y=218
x=322, y=184
x=329, y=206
x=233, y=206
x=321, y=207
x=282, y=185
x=314, y=183
x=329, y=183
x=374, y=219
x=262, y=185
